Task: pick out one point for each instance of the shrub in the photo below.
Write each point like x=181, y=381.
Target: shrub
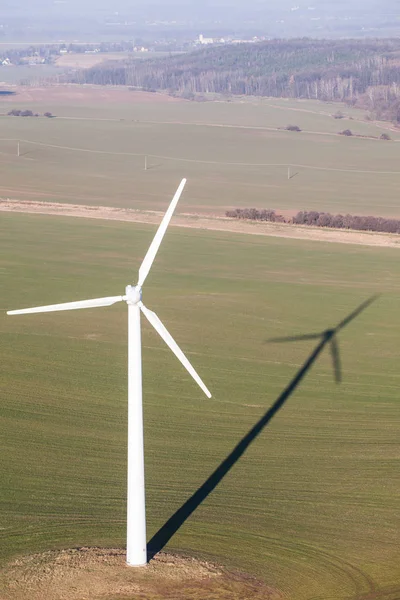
x=385, y=136
x=346, y=132
x=187, y=95
x=324, y=220
x=254, y=214
x=292, y=128
x=48, y=115
x=338, y=115
x=359, y=223
x=320, y=219
x=337, y=221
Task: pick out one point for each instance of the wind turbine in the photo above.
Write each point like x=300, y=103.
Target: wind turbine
x=136, y=553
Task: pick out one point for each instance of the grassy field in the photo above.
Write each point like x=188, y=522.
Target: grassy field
x=312, y=507
x=93, y=153
x=27, y=73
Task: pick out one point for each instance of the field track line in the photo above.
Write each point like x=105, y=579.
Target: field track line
x=376, y=124
x=196, y=161
x=205, y=222
x=233, y=126
x=259, y=128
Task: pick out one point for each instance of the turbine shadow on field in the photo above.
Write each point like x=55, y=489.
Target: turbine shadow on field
x=168, y=530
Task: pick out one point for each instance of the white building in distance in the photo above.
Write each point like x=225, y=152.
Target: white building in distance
x=203, y=40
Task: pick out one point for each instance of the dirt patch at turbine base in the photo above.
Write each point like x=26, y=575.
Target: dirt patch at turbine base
x=101, y=574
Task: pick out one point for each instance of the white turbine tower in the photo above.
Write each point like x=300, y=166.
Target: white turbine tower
x=136, y=554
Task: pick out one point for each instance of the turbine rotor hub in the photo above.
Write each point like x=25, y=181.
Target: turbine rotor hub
x=133, y=294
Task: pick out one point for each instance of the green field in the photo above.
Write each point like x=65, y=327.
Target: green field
x=312, y=507
x=93, y=153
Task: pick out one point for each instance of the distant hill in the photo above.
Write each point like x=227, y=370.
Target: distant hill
x=363, y=72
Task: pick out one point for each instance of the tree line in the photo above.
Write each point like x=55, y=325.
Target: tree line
x=360, y=72
x=27, y=113
x=319, y=219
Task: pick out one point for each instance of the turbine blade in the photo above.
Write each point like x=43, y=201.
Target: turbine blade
x=155, y=244
x=337, y=367
x=168, y=339
x=296, y=338
x=69, y=305
x=355, y=313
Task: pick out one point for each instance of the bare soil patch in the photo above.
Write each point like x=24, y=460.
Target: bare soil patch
x=84, y=94
x=101, y=574
x=209, y=222
x=85, y=61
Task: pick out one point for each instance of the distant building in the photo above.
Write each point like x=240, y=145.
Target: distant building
x=203, y=40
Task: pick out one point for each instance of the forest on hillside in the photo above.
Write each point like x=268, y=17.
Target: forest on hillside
x=361, y=72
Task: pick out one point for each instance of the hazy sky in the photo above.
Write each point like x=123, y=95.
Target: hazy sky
x=76, y=19
x=195, y=5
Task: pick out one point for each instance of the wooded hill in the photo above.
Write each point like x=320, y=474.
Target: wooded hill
x=364, y=72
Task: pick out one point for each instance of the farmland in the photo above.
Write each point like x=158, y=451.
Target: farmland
x=26, y=73
x=94, y=151
x=311, y=507
x=85, y=61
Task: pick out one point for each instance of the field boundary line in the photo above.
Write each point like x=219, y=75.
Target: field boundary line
x=237, y=126
x=204, y=222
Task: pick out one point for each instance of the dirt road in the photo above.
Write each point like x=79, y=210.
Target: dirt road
x=208, y=222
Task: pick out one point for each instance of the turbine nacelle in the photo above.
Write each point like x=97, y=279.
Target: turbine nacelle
x=133, y=294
